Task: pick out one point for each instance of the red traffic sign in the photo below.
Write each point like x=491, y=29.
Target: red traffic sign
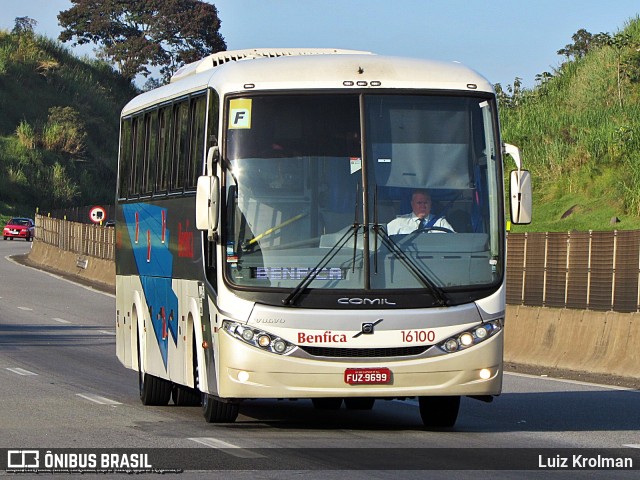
x=97, y=214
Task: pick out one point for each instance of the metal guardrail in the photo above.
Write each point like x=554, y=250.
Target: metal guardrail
x=579, y=270
x=84, y=239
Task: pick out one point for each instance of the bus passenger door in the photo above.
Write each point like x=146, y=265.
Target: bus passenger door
x=123, y=330
x=181, y=363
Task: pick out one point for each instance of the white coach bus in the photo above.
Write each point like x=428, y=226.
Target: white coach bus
x=254, y=253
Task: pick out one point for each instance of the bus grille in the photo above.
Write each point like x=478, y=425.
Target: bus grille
x=365, y=352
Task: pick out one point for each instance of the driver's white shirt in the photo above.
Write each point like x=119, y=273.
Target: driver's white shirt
x=410, y=222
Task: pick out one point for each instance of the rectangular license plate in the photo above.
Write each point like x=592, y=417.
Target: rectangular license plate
x=367, y=376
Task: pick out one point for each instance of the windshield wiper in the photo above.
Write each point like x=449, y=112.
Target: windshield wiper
x=313, y=273
x=438, y=293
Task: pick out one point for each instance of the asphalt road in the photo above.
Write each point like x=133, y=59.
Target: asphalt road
x=61, y=387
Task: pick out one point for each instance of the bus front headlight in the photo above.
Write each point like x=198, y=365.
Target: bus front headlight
x=257, y=338
x=471, y=337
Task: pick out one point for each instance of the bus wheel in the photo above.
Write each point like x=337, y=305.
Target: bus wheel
x=439, y=412
x=359, y=403
x=215, y=411
x=153, y=390
x=327, y=403
x=185, y=396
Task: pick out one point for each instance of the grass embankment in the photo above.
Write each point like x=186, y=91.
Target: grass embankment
x=58, y=127
x=580, y=136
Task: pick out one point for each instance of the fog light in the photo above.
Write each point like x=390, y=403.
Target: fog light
x=264, y=340
x=466, y=339
x=243, y=376
x=485, y=374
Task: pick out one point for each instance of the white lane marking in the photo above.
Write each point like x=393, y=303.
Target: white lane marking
x=60, y=320
x=98, y=399
x=632, y=445
x=26, y=309
x=229, y=448
x=573, y=382
x=21, y=371
x=106, y=332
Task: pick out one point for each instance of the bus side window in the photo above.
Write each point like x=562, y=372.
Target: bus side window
x=125, y=158
x=196, y=156
x=181, y=144
x=137, y=157
x=211, y=135
x=210, y=260
x=151, y=154
x=164, y=149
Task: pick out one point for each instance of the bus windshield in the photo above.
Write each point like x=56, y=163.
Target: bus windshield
x=362, y=191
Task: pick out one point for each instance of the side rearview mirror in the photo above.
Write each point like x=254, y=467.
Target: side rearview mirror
x=520, y=196
x=207, y=199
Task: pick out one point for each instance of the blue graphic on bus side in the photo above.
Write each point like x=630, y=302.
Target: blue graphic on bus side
x=146, y=225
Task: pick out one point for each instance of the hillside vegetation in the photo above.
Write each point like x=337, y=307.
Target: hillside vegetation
x=579, y=131
x=58, y=127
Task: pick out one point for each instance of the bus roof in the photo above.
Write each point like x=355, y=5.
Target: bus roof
x=246, y=70
x=220, y=58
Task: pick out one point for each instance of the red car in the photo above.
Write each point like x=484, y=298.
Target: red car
x=19, y=228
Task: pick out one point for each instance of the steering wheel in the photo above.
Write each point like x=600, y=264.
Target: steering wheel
x=437, y=229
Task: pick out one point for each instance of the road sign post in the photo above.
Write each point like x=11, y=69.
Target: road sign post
x=97, y=214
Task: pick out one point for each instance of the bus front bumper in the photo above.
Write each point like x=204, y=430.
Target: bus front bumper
x=247, y=372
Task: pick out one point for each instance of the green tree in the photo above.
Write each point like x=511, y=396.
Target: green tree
x=517, y=92
x=501, y=95
x=24, y=25
x=137, y=34
x=544, y=77
x=513, y=96
x=622, y=42
x=583, y=41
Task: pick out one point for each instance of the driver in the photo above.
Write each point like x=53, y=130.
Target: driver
x=419, y=218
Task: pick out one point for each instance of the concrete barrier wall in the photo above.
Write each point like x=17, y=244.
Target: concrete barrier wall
x=580, y=340
x=91, y=269
x=566, y=339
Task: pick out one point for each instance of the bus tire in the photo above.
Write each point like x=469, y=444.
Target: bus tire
x=439, y=412
x=185, y=396
x=359, y=403
x=215, y=411
x=330, y=403
x=153, y=390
